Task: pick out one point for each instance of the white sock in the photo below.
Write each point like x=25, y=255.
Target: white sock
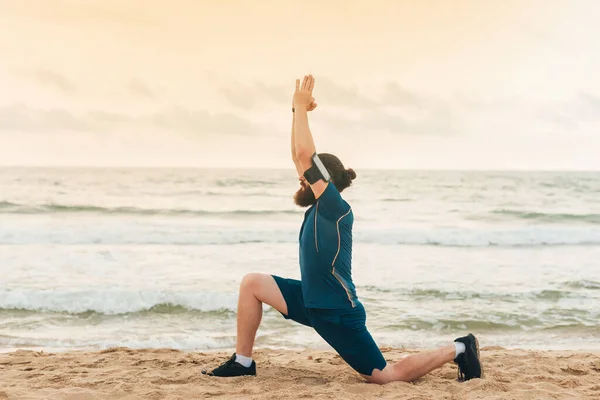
x=247, y=361
x=460, y=348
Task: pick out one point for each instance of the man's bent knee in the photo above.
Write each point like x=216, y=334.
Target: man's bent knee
x=378, y=376
x=264, y=288
x=251, y=281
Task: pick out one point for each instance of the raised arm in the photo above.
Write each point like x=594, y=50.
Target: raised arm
x=304, y=144
x=311, y=107
x=294, y=158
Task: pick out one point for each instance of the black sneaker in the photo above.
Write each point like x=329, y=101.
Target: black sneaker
x=469, y=365
x=232, y=368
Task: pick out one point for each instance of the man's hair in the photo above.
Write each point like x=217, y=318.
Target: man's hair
x=340, y=176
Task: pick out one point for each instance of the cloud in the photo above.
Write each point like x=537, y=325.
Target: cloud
x=108, y=117
x=487, y=103
x=55, y=79
x=139, y=88
x=203, y=122
x=442, y=120
x=240, y=97
x=276, y=93
x=439, y=121
x=556, y=116
x=21, y=118
x=394, y=94
x=334, y=94
x=583, y=108
x=251, y=96
x=396, y=110
x=587, y=106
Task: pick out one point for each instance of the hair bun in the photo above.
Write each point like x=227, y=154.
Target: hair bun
x=351, y=174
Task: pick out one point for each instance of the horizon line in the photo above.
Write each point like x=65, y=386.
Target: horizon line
x=292, y=169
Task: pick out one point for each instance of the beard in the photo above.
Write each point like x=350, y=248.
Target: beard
x=304, y=197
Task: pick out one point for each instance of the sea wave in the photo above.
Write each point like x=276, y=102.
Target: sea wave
x=396, y=200
x=161, y=308
x=493, y=322
x=115, y=301
x=549, y=217
x=583, y=284
x=198, y=233
x=14, y=208
x=517, y=238
x=551, y=295
x=246, y=183
x=118, y=301
x=131, y=341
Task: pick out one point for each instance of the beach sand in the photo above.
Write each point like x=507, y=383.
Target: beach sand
x=122, y=373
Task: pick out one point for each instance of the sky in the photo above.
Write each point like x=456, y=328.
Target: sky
x=428, y=84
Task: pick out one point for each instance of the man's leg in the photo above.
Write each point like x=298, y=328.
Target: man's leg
x=414, y=366
x=347, y=333
x=464, y=352
x=285, y=295
x=255, y=289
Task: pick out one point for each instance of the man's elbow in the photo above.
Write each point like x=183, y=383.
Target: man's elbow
x=304, y=155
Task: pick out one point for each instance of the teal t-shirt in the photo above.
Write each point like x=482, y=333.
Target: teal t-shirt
x=326, y=253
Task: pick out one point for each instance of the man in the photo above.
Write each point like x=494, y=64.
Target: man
x=325, y=299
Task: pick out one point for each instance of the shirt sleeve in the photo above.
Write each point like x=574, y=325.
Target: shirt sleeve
x=331, y=204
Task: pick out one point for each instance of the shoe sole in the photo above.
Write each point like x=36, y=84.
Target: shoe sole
x=478, y=356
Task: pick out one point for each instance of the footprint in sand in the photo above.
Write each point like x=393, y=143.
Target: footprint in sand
x=364, y=389
x=311, y=381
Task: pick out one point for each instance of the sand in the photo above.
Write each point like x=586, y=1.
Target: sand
x=122, y=373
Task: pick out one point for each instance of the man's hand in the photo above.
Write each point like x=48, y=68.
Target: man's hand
x=303, y=94
x=312, y=104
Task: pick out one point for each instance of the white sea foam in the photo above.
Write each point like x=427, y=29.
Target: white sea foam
x=112, y=301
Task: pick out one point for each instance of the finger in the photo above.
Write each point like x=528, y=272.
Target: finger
x=311, y=83
x=305, y=83
x=297, y=84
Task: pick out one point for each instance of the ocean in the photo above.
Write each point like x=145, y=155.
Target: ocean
x=95, y=258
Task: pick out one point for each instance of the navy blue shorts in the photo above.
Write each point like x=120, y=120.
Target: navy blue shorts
x=344, y=330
